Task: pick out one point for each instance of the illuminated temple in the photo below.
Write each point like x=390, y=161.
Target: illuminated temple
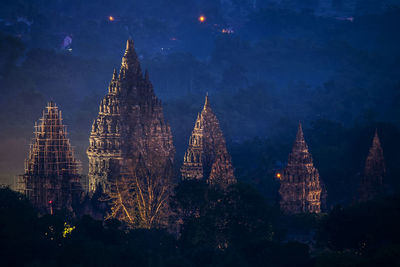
x=51, y=179
x=130, y=126
x=207, y=157
x=374, y=172
x=300, y=188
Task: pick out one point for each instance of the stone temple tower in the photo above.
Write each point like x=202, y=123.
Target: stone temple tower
x=300, y=188
x=51, y=179
x=130, y=126
x=372, y=184
x=207, y=157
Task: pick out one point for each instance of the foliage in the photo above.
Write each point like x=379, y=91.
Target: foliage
x=227, y=228
x=235, y=227
x=362, y=227
x=140, y=197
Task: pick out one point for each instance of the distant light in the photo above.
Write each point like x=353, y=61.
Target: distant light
x=173, y=38
x=227, y=31
x=50, y=201
x=351, y=19
x=111, y=18
x=202, y=18
x=278, y=175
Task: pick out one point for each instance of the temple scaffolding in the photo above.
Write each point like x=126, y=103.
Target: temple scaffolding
x=51, y=179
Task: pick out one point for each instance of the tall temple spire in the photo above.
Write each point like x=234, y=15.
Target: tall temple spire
x=300, y=188
x=51, y=178
x=372, y=184
x=207, y=157
x=130, y=125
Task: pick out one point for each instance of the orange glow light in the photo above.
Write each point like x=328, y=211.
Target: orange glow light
x=202, y=18
x=278, y=175
x=111, y=18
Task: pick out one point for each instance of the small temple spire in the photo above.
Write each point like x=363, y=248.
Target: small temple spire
x=115, y=74
x=207, y=157
x=374, y=172
x=301, y=189
x=146, y=75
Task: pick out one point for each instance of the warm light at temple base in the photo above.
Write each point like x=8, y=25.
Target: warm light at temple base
x=202, y=18
x=278, y=175
x=111, y=18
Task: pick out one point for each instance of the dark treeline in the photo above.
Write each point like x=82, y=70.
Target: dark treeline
x=283, y=63
x=234, y=229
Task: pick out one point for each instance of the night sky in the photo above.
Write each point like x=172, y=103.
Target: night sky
x=266, y=65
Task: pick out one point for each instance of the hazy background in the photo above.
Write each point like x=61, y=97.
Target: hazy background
x=332, y=64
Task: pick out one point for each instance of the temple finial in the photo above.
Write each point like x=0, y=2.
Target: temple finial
x=300, y=135
x=146, y=75
x=376, y=142
x=300, y=143
x=376, y=135
x=129, y=44
x=206, y=103
x=115, y=75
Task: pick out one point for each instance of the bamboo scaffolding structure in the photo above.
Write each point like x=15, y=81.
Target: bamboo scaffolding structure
x=51, y=170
